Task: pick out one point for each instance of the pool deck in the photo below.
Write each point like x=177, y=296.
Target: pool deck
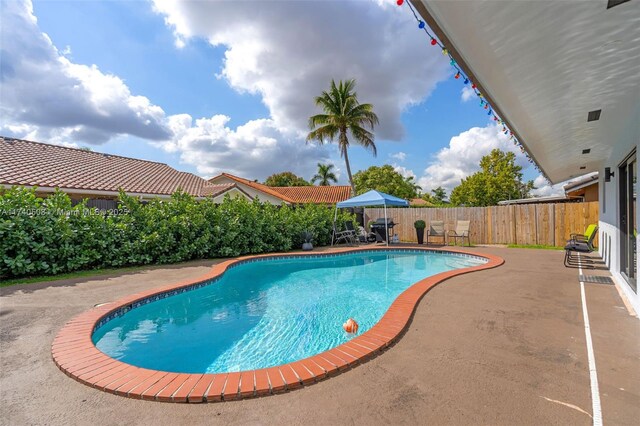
x=498, y=346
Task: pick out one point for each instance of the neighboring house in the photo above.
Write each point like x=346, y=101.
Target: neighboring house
x=582, y=189
x=585, y=187
x=541, y=200
x=86, y=174
x=546, y=70
x=286, y=194
x=96, y=176
x=419, y=202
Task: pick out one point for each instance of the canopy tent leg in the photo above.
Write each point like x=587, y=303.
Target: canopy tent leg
x=386, y=224
x=333, y=232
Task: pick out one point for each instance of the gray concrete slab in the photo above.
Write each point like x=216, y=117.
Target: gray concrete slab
x=503, y=346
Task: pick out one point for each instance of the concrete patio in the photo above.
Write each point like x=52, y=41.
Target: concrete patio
x=502, y=346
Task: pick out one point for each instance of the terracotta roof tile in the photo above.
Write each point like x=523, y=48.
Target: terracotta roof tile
x=419, y=202
x=315, y=194
x=260, y=187
x=37, y=164
x=217, y=189
x=299, y=194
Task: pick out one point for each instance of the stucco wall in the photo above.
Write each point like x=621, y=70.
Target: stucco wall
x=610, y=211
x=233, y=193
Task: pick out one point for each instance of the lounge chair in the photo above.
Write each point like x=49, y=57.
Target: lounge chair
x=354, y=233
x=436, y=229
x=580, y=244
x=462, y=232
x=347, y=236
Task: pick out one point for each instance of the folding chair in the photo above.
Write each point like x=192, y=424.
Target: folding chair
x=346, y=236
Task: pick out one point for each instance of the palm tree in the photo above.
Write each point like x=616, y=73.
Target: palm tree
x=324, y=175
x=342, y=114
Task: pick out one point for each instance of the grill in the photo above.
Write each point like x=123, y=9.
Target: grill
x=378, y=227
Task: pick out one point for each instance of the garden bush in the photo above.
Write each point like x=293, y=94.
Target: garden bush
x=51, y=235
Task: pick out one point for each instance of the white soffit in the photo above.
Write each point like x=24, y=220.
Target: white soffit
x=546, y=64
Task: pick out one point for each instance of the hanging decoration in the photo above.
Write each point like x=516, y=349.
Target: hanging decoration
x=460, y=75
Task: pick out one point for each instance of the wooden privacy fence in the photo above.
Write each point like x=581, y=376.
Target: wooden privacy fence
x=547, y=224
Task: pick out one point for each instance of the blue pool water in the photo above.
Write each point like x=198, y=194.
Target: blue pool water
x=269, y=312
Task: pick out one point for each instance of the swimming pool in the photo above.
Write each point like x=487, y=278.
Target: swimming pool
x=268, y=312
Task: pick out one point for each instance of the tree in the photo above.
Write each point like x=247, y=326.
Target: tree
x=324, y=175
x=439, y=194
x=343, y=115
x=285, y=179
x=499, y=179
x=384, y=179
x=417, y=188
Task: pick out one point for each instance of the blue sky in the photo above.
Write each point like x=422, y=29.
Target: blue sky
x=227, y=86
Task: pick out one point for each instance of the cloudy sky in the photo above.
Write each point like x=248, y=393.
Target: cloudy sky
x=228, y=86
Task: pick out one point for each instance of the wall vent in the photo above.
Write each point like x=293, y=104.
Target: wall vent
x=614, y=3
x=594, y=115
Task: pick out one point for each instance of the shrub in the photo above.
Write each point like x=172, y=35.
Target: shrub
x=419, y=224
x=52, y=236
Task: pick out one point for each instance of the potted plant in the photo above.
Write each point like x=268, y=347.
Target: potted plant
x=307, y=237
x=420, y=225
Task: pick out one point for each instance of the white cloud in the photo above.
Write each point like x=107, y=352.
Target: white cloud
x=288, y=52
x=404, y=171
x=67, y=51
x=467, y=93
x=400, y=156
x=285, y=52
x=462, y=157
x=543, y=189
x=254, y=150
x=58, y=100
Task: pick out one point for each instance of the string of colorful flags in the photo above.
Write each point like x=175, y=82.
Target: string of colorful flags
x=460, y=75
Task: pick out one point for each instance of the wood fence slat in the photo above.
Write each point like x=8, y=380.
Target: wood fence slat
x=548, y=224
x=545, y=224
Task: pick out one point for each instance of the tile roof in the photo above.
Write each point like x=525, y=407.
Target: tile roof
x=211, y=190
x=259, y=186
x=419, y=202
x=315, y=194
x=299, y=194
x=38, y=164
x=44, y=165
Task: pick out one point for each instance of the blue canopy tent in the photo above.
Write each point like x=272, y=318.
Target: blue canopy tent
x=372, y=198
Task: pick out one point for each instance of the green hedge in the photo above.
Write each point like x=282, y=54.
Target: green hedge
x=51, y=236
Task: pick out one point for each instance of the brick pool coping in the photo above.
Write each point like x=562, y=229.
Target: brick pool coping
x=75, y=354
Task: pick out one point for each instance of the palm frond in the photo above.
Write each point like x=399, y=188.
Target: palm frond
x=364, y=114
x=323, y=133
x=364, y=138
x=318, y=120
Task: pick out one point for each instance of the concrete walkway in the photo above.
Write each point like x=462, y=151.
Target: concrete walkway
x=503, y=346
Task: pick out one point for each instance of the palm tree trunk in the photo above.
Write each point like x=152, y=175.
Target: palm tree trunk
x=346, y=160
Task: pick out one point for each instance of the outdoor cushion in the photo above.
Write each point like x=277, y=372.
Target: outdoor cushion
x=578, y=246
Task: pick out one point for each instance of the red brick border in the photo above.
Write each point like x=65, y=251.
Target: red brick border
x=75, y=354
